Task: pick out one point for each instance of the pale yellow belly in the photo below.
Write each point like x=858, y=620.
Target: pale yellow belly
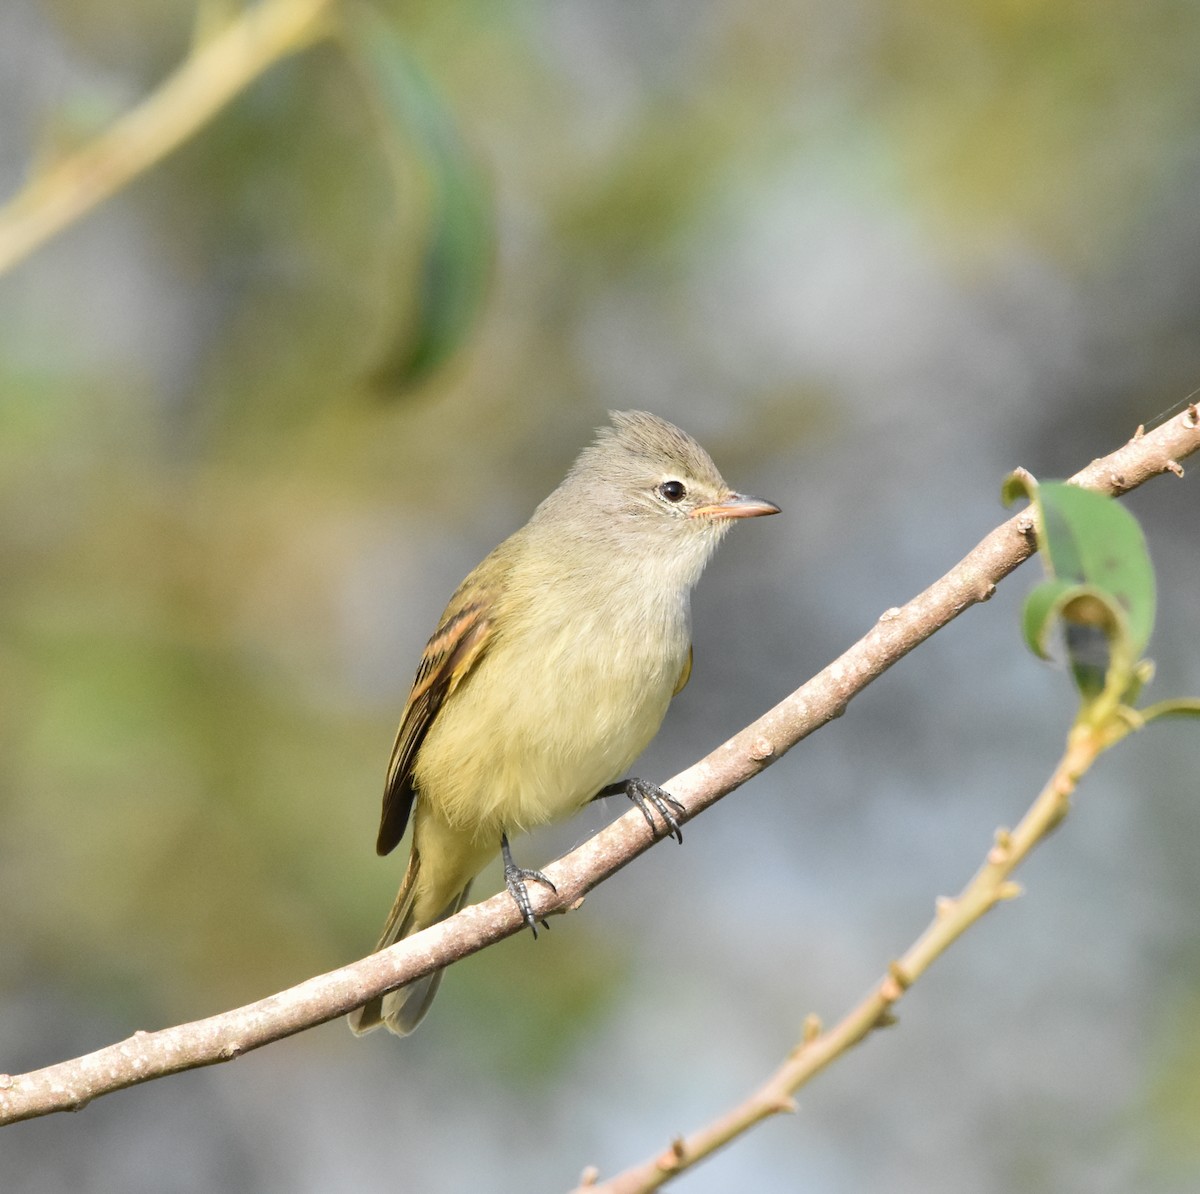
x=527, y=741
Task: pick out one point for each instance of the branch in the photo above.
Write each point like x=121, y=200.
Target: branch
x=212, y=76
x=990, y=885
x=146, y=1055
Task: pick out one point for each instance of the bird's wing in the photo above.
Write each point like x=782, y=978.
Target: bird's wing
x=685, y=675
x=449, y=656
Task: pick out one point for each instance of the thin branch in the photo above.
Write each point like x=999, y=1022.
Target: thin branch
x=990, y=885
x=70, y=1084
x=212, y=76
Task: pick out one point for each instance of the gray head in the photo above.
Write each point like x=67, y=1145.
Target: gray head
x=644, y=487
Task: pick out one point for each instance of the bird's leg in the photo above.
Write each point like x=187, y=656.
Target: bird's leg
x=515, y=878
x=646, y=796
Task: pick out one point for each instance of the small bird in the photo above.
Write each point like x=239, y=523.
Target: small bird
x=549, y=673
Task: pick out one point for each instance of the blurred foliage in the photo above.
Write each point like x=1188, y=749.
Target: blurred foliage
x=548, y=1001
x=457, y=255
x=1024, y=115
x=1174, y=1099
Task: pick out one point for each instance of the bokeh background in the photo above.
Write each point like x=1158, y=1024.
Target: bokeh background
x=874, y=254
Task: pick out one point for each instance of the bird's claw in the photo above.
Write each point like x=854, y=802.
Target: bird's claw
x=646, y=796
x=515, y=879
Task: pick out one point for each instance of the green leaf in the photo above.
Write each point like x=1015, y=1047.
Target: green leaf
x=445, y=297
x=1041, y=611
x=1091, y=618
x=1018, y=484
x=1100, y=586
x=1092, y=540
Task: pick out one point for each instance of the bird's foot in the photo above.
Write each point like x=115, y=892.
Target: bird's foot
x=515, y=879
x=649, y=796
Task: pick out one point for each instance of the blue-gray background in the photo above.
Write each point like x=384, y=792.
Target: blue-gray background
x=873, y=254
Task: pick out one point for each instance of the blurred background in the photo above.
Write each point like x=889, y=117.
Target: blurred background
x=261, y=412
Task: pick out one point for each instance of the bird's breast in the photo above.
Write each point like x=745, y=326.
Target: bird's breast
x=547, y=719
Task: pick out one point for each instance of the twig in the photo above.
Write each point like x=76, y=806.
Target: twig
x=991, y=884
x=70, y=1084
x=213, y=74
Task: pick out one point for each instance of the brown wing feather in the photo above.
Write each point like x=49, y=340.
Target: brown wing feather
x=454, y=649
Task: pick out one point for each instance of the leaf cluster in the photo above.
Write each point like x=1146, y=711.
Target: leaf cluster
x=1099, y=598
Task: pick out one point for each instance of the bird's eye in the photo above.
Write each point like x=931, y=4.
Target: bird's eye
x=673, y=491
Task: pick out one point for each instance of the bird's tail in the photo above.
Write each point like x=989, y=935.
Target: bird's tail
x=404, y=1009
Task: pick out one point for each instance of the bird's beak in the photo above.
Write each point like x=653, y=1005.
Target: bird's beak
x=736, y=505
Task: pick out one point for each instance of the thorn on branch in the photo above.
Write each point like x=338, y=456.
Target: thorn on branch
x=998, y=854
x=1173, y=466
x=943, y=906
x=673, y=1159
x=1191, y=416
x=761, y=748
x=1009, y=891
x=897, y=982
x=812, y=1027
x=590, y=1176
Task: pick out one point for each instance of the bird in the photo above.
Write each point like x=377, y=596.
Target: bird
x=549, y=672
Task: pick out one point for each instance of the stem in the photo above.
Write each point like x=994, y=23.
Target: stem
x=68, y=1085
x=212, y=76
x=990, y=884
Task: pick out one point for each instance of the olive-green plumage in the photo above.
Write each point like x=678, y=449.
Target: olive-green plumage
x=551, y=669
